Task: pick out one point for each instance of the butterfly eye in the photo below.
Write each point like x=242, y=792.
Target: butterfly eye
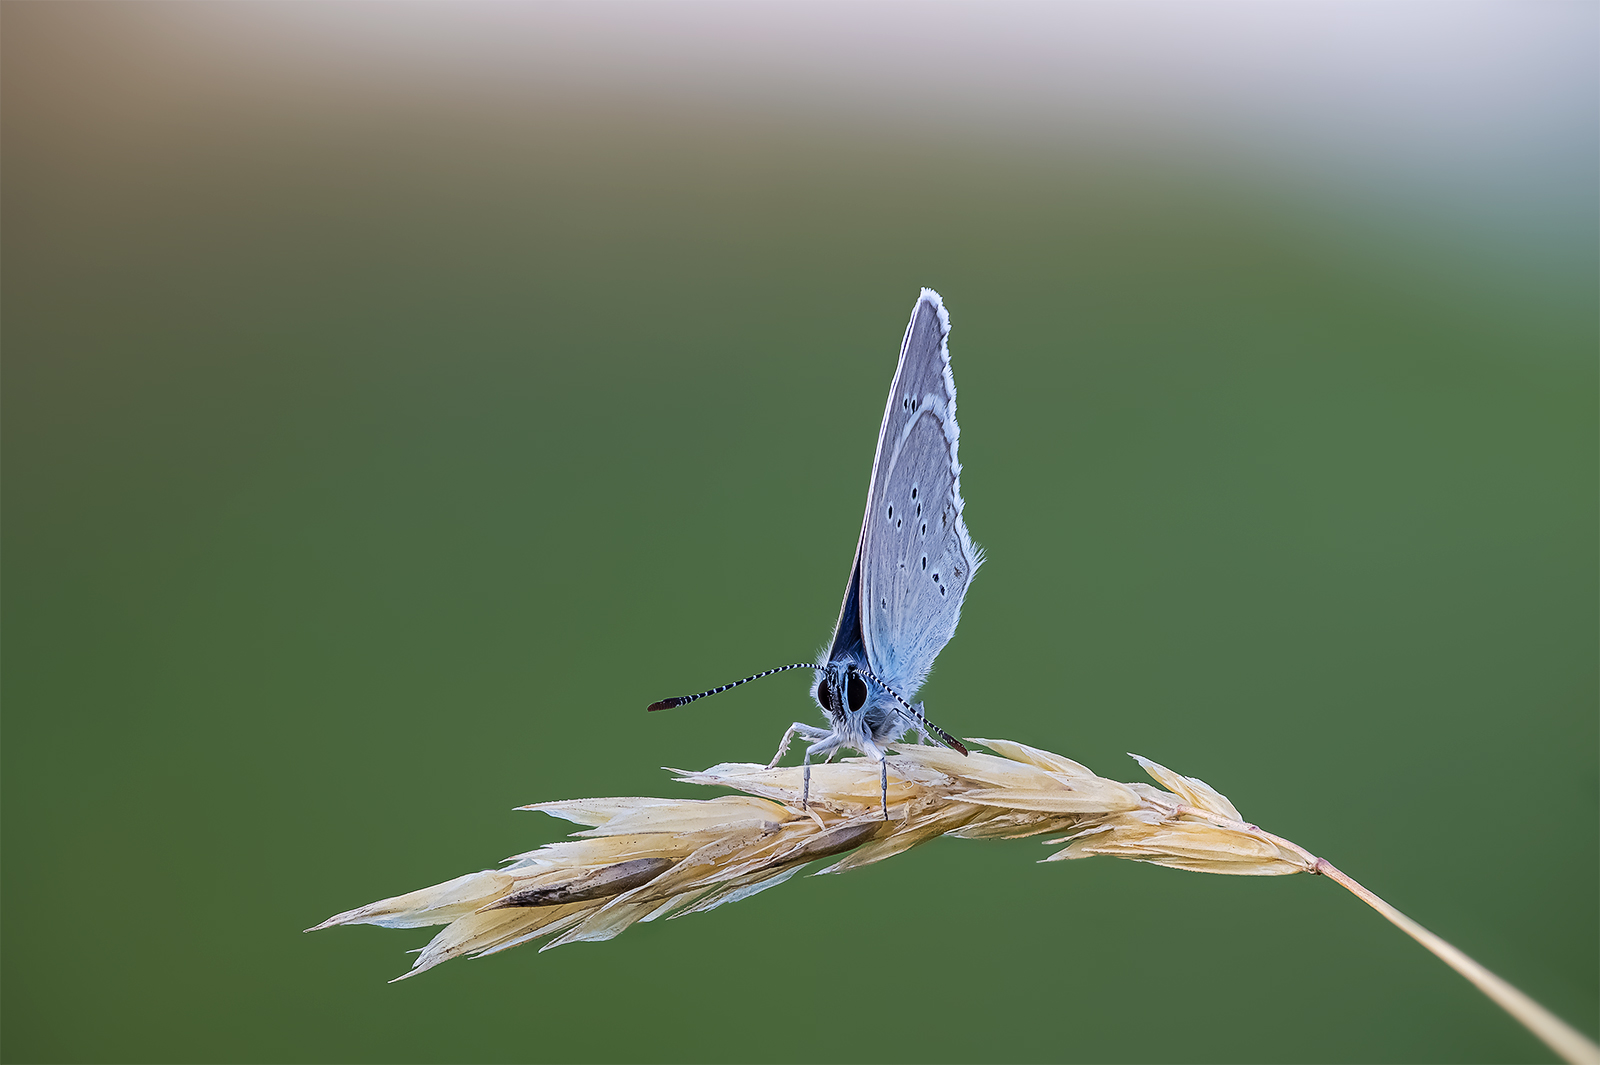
x=857, y=692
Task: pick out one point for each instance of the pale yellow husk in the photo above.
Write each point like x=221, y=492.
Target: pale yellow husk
x=644, y=858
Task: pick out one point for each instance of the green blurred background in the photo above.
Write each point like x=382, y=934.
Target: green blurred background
x=397, y=399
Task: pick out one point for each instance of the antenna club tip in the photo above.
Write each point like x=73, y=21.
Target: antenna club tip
x=665, y=704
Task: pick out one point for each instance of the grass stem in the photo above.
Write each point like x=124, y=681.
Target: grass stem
x=1573, y=1046
x=1557, y=1034
x=642, y=859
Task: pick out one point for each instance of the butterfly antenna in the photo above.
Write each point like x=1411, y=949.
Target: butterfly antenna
x=918, y=716
x=679, y=700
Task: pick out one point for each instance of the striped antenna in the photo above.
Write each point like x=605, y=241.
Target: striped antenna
x=917, y=715
x=679, y=700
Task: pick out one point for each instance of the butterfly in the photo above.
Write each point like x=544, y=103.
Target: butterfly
x=914, y=562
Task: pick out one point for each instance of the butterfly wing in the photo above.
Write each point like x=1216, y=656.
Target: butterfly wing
x=915, y=559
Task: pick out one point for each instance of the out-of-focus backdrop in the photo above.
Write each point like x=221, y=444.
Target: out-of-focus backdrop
x=399, y=397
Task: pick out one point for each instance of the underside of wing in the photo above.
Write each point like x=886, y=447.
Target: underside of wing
x=915, y=559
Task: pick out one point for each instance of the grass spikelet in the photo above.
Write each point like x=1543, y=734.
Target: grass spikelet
x=642, y=859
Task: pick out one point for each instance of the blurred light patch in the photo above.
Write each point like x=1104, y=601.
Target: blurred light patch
x=1471, y=107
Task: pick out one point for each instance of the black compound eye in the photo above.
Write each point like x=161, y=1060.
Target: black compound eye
x=822, y=695
x=857, y=690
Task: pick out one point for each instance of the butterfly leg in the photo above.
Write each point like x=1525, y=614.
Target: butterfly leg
x=809, y=733
x=826, y=744
x=877, y=754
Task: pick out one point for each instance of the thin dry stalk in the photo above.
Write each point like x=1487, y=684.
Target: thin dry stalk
x=643, y=858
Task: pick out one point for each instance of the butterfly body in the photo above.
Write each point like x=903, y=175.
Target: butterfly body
x=914, y=561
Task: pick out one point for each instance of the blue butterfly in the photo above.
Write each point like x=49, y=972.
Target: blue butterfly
x=913, y=565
